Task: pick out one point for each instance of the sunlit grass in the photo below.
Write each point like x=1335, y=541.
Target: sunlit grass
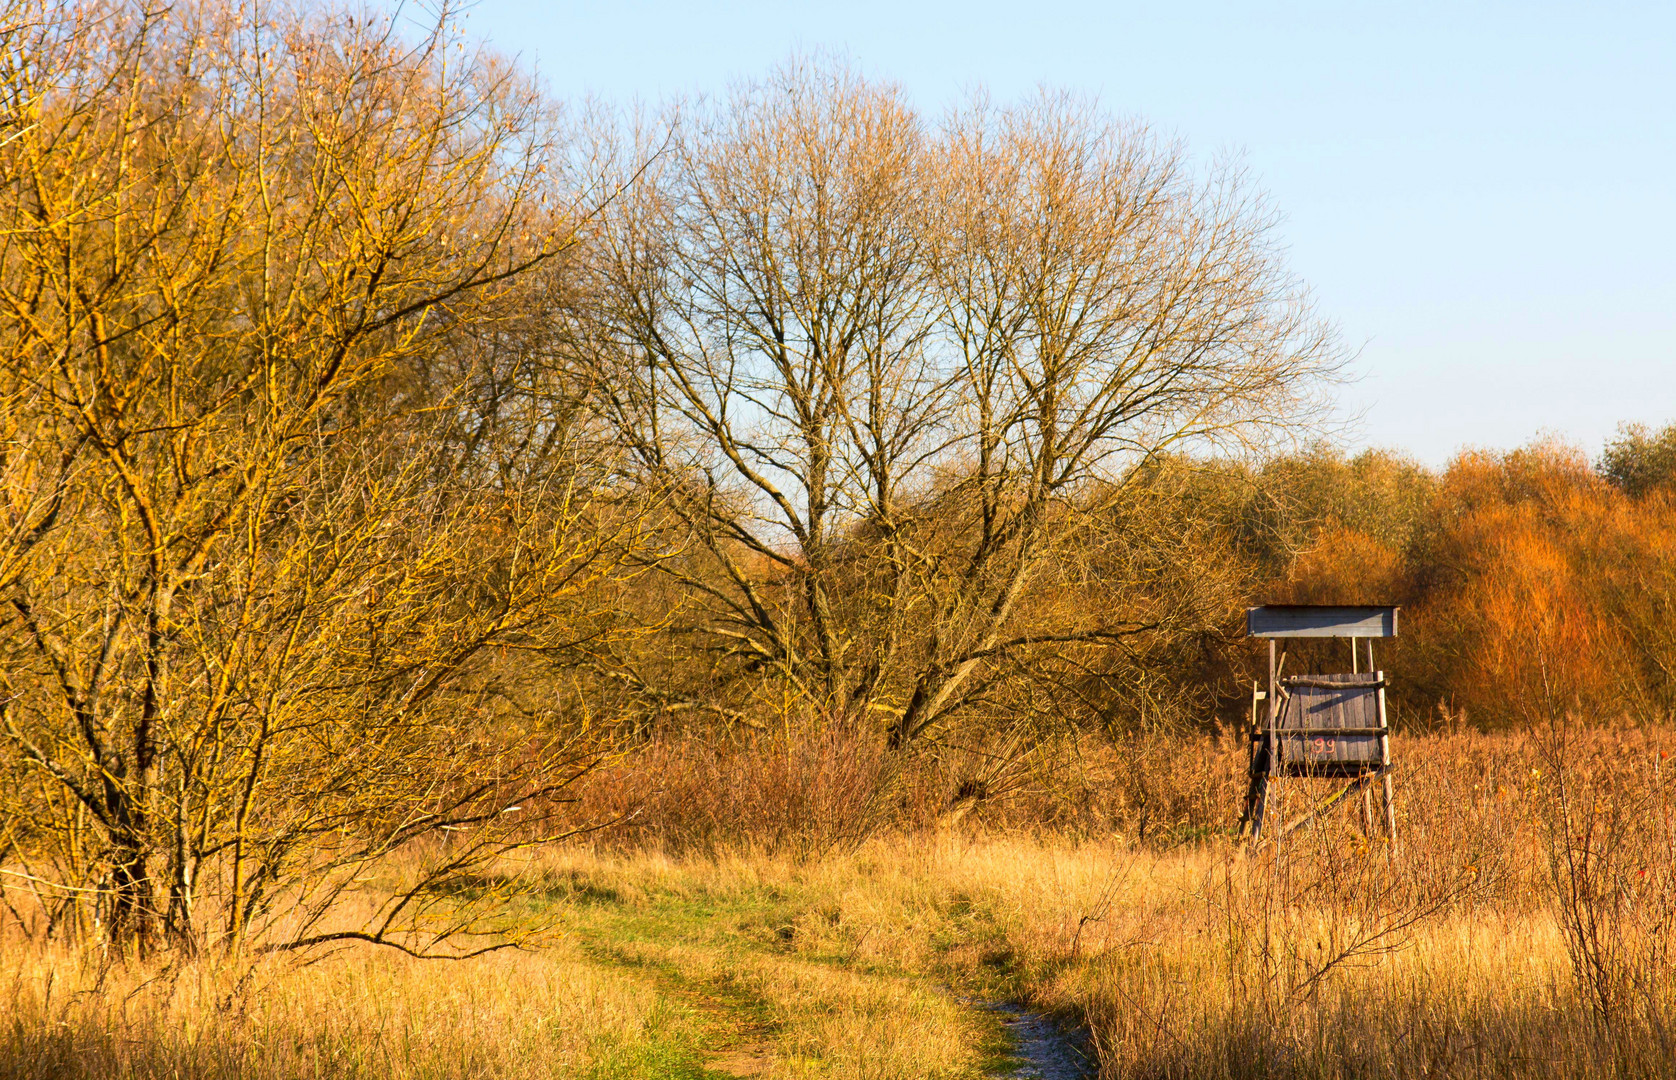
x=1331, y=956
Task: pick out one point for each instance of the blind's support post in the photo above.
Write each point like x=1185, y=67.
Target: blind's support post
x=1385, y=760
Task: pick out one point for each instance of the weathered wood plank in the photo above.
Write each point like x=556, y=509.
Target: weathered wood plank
x=1335, y=682
x=1328, y=725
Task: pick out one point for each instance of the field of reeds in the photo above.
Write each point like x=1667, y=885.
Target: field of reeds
x=800, y=908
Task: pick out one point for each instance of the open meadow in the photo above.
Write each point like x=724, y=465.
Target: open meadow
x=1520, y=929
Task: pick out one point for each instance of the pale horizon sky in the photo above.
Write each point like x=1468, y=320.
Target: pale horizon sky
x=1480, y=194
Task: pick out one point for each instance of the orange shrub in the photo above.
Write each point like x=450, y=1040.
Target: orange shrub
x=1531, y=584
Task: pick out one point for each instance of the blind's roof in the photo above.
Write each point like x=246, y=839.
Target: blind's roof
x=1320, y=620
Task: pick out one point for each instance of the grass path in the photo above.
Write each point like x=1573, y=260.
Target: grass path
x=860, y=967
x=762, y=994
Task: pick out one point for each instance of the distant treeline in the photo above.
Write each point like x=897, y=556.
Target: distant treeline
x=1532, y=581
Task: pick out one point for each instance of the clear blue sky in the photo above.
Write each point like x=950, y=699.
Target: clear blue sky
x=1483, y=195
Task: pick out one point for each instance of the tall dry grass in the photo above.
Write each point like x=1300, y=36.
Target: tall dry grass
x=372, y=1014
x=1521, y=924
x=1520, y=928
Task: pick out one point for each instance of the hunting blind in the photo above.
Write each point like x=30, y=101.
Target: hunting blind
x=1320, y=726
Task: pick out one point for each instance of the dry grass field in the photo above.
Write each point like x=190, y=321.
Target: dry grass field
x=1520, y=929
x=741, y=586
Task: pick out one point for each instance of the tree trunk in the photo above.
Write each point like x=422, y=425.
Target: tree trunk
x=133, y=903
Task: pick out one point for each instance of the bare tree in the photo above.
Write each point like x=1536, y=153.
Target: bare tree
x=764, y=308
x=892, y=372
x=283, y=490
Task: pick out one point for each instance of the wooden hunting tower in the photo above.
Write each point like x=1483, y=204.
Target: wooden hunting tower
x=1323, y=726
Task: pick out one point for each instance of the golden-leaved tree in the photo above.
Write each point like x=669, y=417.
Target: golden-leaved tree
x=285, y=498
